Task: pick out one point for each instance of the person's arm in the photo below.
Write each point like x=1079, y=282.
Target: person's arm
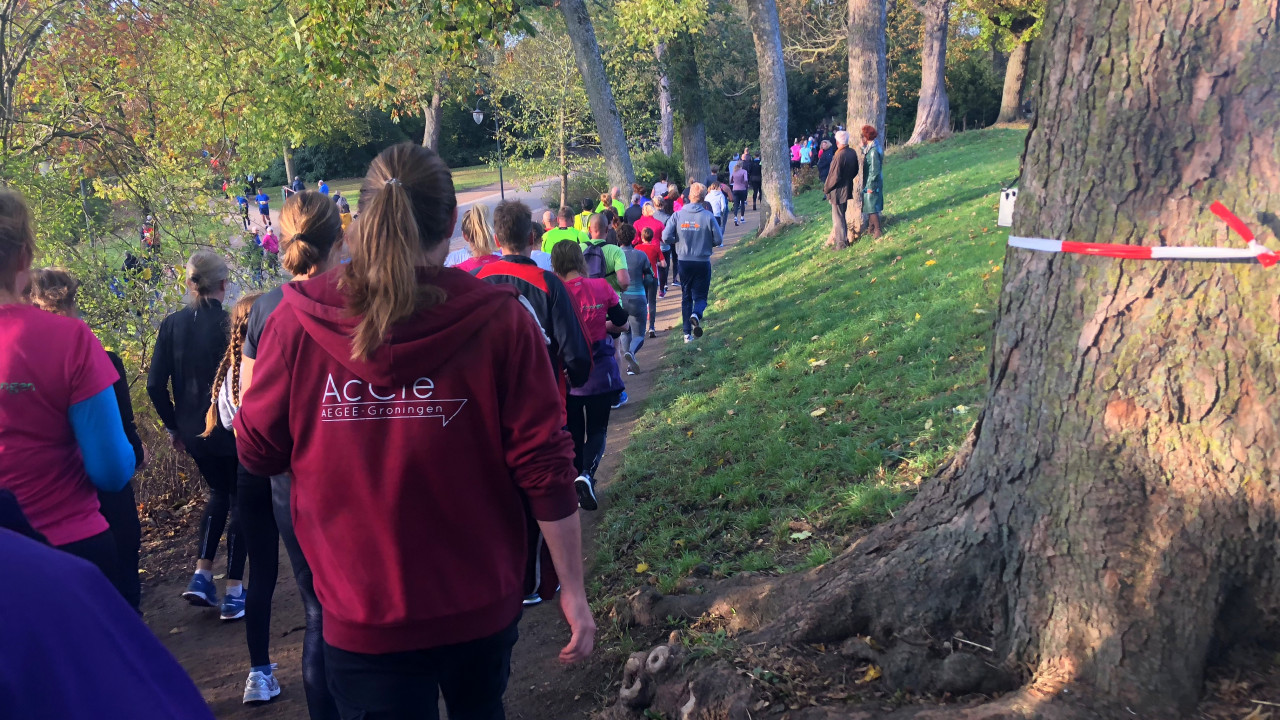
x=125, y=403
x=264, y=441
x=624, y=278
x=108, y=458
x=833, y=176
x=669, y=230
x=717, y=234
x=617, y=317
x=158, y=378
x=566, y=328
x=539, y=454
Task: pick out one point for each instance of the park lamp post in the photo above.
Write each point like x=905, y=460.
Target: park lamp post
x=478, y=116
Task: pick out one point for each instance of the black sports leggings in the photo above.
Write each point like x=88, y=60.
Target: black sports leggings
x=672, y=270
x=320, y=703
x=121, y=511
x=219, y=473
x=589, y=427
x=98, y=549
x=262, y=541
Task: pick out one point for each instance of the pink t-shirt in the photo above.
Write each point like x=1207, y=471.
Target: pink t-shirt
x=47, y=364
x=475, y=263
x=592, y=298
x=271, y=243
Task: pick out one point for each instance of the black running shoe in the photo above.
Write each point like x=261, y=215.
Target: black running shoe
x=696, y=323
x=586, y=488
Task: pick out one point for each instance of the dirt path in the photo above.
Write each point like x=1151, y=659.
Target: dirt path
x=215, y=655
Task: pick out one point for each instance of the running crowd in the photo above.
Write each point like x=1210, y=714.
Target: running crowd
x=392, y=401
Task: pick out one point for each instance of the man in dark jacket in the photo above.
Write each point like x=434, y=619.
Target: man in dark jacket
x=839, y=188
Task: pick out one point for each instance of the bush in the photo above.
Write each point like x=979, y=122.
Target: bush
x=653, y=163
x=582, y=185
x=804, y=179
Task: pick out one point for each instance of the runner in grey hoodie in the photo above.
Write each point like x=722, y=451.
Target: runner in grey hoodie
x=695, y=233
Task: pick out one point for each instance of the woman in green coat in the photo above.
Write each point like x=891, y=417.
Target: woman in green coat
x=873, y=194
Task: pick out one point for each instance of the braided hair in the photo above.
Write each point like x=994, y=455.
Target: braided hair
x=230, y=361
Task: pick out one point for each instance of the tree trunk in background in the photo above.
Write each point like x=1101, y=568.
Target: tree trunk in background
x=432, y=113
x=288, y=163
x=586, y=51
x=868, y=80
x=686, y=92
x=1015, y=75
x=1109, y=525
x=775, y=157
x=933, y=112
x=564, y=158
x=667, y=113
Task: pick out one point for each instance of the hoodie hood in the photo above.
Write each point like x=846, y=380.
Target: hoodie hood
x=415, y=347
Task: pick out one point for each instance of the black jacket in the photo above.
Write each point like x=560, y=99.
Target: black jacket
x=824, y=165
x=126, y=409
x=552, y=305
x=188, y=350
x=838, y=186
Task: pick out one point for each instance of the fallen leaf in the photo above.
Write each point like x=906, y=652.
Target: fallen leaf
x=642, y=568
x=819, y=412
x=930, y=262
x=776, y=327
x=802, y=535
x=917, y=316
x=816, y=363
x=873, y=673
x=928, y=424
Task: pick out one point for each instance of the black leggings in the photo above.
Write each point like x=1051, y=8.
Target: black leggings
x=320, y=703
x=219, y=473
x=672, y=270
x=262, y=542
x=755, y=193
x=121, y=511
x=98, y=549
x=589, y=426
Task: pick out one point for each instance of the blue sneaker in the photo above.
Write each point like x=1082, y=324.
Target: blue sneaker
x=201, y=592
x=622, y=399
x=233, y=606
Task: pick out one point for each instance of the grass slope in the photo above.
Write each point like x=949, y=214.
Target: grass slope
x=827, y=386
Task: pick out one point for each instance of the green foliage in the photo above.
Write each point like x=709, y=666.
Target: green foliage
x=828, y=384
x=651, y=166
x=974, y=91
x=804, y=179
x=729, y=149
x=583, y=185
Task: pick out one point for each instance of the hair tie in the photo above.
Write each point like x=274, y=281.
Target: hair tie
x=394, y=181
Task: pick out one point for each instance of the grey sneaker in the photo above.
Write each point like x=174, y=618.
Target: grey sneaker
x=260, y=687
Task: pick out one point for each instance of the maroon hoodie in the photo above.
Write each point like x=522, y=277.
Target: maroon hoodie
x=410, y=469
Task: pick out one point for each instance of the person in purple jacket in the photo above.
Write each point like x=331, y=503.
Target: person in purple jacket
x=75, y=650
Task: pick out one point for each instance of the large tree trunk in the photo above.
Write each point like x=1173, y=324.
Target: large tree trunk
x=432, y=114
x=775, y=157
x=933, y=112
x=686, y=91
x=586, y=51
x=868, y=79
x=1015, y=75
x=666, y=111
x=1111, y=522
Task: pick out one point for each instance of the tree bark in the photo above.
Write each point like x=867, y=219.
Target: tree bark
x=288, y=163
x=868, y=80
x=432, y=114
x=775, y=157
x=686, y=92
x=666, y=111
x=1014, y=76
x=933, y=112
x=1110, y=524
x=586, y=51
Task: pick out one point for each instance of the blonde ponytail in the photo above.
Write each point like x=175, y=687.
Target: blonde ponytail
x=407, y=205
x=230, y=361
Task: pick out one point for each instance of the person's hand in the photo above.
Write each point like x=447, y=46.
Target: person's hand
x=578, y=613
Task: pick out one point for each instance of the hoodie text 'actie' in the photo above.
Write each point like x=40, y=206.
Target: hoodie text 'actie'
x=356, y=399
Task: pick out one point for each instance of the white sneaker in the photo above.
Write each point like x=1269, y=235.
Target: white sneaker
x=688, y=338
x=260, y=687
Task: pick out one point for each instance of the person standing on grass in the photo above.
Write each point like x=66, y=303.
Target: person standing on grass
x=188, y=348
x=696, y=234
x=60, y=427
x=54, y=291
x=824, y=160
x=603, y=318
x=839, y=188
x=323, y=187
x=873, y=195
x=422, y=593
x=740, y=181
x=564, y=230
x=649, y=246
x=635, y=300
x=264, y=206
x=795, y=154
x=604, y=260
x=310, y=238
x=298, y=186
x=344, y=207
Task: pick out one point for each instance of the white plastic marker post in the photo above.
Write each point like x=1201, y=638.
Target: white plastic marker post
x=1254, y=251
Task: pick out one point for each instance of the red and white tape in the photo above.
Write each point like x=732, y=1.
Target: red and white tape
x=1254, y=251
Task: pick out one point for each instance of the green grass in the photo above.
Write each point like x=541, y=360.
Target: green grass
x=827, y=386
x=464, y=179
